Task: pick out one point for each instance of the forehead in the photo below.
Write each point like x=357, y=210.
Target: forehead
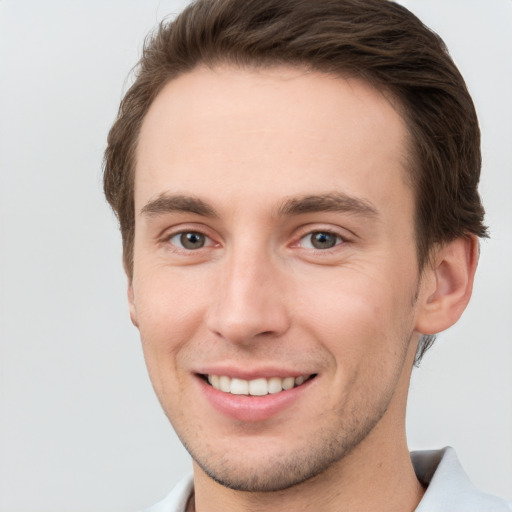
x=269, y=131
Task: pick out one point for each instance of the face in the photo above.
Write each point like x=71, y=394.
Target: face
x=275, y=278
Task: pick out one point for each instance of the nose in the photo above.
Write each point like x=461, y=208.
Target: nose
x=250, y=301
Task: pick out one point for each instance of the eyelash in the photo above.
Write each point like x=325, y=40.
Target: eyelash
x=208, y=240
x=339, y=240
x=178, y=246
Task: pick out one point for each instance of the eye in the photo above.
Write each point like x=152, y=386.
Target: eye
x=321, y=240
x=190, y=240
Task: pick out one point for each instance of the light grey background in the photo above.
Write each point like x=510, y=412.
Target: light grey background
x=80, y=429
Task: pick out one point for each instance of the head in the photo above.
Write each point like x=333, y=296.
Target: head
x=378, y=41
x=376, y=52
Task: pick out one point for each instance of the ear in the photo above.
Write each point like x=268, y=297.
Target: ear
x=131, y=303
x=447, y=285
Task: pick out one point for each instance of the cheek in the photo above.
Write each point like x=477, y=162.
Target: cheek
x=167, y=303
x=358, y=316
x=169, y=312
x=338, y=304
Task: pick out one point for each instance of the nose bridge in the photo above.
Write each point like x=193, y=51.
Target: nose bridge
x=248, y=302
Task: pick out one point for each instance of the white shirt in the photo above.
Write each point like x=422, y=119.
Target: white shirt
x=448, y=487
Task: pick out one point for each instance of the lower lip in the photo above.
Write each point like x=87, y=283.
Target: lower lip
x=252, y=408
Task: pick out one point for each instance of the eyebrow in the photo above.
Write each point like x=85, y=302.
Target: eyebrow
x=167, y=203
x=330, y=202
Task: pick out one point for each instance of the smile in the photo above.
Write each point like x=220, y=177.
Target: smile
x=255, y=387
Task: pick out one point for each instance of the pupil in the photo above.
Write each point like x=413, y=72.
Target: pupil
x=192, y=240
x=323, y=240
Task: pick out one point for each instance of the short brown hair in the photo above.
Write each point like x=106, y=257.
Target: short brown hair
x=376, y=40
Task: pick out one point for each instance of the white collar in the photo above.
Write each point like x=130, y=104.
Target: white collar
x=448, y=487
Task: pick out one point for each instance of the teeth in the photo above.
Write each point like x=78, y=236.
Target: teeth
x=288, y=383
x=225, y=384
x=256, y=387
x=275, y=385
x=239, y=387
x=299, y=380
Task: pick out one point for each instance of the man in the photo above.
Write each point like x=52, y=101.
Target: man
x=296, y=184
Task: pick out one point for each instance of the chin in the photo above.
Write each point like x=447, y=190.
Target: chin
x=275, y=468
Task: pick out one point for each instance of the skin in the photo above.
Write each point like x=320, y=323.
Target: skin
x=251, y=145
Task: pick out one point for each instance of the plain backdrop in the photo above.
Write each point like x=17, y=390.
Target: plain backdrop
x=80, y=429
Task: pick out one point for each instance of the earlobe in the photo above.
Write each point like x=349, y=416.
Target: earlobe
x=449, y=283
x=131, y=304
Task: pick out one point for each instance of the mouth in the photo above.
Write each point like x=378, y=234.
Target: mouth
x=256, y=387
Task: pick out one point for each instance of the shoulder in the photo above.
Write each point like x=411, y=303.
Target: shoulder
x=449, y=489
x=176, y=500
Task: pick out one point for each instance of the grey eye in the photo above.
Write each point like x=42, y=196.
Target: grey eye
x=320, y=240
x=189, y=240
